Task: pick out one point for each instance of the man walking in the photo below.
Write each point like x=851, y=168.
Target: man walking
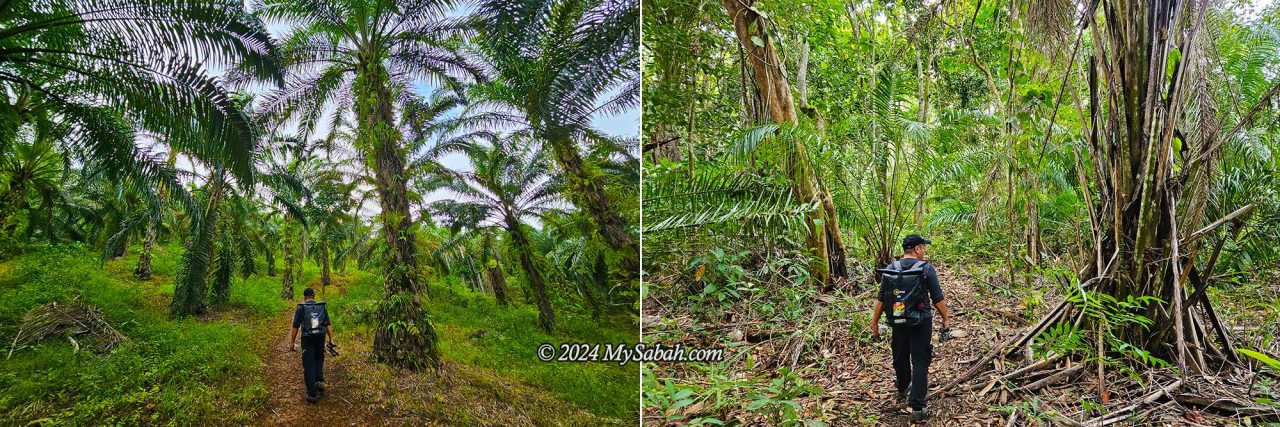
x=313, y=320
x=903, y=287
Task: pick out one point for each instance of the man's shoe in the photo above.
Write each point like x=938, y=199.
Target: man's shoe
x=902, y=397
x=919, y=415
x=312, y=399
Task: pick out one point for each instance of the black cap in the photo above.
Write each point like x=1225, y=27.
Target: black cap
x=309, y=292
x=914, y=240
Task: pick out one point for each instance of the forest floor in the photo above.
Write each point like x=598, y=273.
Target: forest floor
x=865, y=379
x=822, y=360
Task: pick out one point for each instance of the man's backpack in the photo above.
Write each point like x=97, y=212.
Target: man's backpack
x=313, y=318
x=909, y=301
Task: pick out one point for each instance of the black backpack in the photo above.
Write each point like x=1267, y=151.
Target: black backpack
x=313, y=318
x=904, y=290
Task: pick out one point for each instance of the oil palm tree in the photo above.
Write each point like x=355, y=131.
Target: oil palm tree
x=559, y=63
x=361, y=56
x=508, y=186
x=31, y=168
x=98, y=64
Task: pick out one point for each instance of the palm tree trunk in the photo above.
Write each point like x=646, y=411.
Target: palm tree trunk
x=588, y=191
x=271, y=262
x=143, y=270
x=189, y=290
x=546, y=318
x=10, y=202
x=404, y=337
x=498, y=281
x=325, y=278
x=286, y=282
x=224, y=267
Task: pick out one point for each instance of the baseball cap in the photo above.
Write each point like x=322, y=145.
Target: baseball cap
x=914, y=240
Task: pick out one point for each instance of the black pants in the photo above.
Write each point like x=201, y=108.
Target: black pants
x=312, y=362
x=912, y=352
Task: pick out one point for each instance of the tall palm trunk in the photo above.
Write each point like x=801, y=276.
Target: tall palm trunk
x=826, y=247
x=404, y=337
x=286, y=282
x=271, y=261
x=143, y=270
x=546, y=318
x=498, y=281
x=189, y=290
x=325, y=277
x=587, y=189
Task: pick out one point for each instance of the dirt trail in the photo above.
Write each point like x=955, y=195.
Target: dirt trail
x=869, y=382
x=288, y=406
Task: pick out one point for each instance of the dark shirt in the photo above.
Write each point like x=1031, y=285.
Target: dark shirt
x=931, y=284
x=297, y=316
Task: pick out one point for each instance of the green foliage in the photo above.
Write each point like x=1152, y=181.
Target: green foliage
x=724, y=280
x=777, y=399
x=183, y=372
x=506, y=337
x=1109, y=314
x=716, y=395
x=1269, y=361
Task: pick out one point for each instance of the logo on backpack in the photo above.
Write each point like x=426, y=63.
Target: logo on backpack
x=313, y=317
x=909, y=301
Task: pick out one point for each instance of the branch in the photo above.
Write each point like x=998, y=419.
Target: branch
x=1248, y=118
x=1214, y=226
x=652, y=145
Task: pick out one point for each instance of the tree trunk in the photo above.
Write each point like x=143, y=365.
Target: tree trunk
x=546, y=318
x=827, y=255
x=190, y=290
x=499, y=283
x=143, y=270
x=1145, y=249
x=289, y=247
x=224, y=267
x=10, y=201
x=588, y=190
x=325, y=278
x=404, y=337
x=271, y=262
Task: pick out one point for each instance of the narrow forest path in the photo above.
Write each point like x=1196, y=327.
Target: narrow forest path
x=283, y=375
x=977, y=323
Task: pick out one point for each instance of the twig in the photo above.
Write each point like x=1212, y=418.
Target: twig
x=977, y=367
x=1122, y=413
x=1049, y=379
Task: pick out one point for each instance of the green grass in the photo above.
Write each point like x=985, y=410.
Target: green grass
x=184, y=371
x=510, y=341
x=208, y=370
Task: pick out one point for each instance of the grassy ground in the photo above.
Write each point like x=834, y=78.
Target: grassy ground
x=208, y=370
x=181, y=371
x=487, y=350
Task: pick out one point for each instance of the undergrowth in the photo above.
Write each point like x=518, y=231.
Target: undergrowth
x=474, y=330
